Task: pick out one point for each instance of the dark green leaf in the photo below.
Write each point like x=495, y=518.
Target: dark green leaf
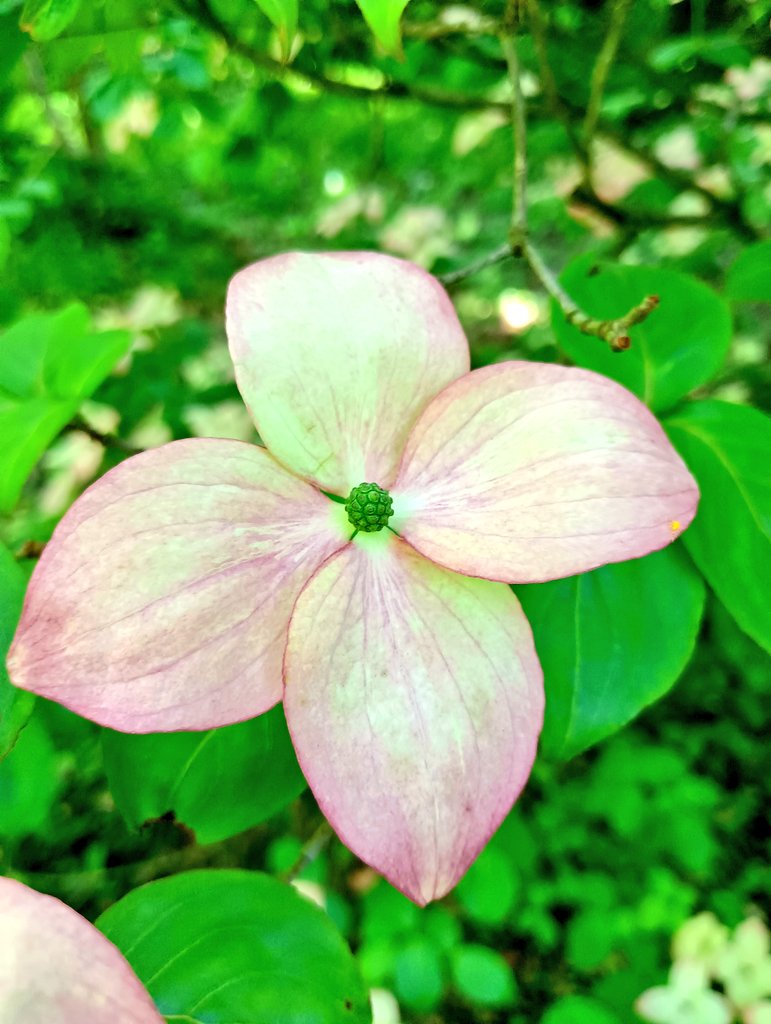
x=749, y=276
x=216, y=947
x=727, y=449
x=611, y=641
x=217, y=782
x=15, y=705
x=680, y=346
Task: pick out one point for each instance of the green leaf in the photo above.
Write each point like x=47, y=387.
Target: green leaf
x=579, y=1010
x=749, y=276
x=489, y=888
x=215, y=947
x=28, y=784
x=610, y=642
x=49, y=364
x=726, y=448
x=680, y=346
x=15, y=705
x=283, y=15
x=590, y=938
x=218, y=782
x=483, y=977
x=46, y=19
x=418, y=975
x=383, y=18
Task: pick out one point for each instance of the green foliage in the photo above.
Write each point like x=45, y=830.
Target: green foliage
x=15, y=705
x=483, y=977
x=749, y=276
x=681, y=345
x=145, y=157
x=46, y=19
x=199, y=941
x=283, y=15
x=49, y=364
x=218, y=782
x=28, y=784
x=626, y=632
x=384, y=17
x=726, y=447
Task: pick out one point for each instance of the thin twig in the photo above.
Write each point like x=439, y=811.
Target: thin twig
x=554, y=103
x=519, y=135
x=204, y=13
x=614, y=332
x=310, y=851
x=497, y=256
x=619, y=9
x=108, y=440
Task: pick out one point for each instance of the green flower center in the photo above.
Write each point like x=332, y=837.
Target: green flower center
x=369, y=508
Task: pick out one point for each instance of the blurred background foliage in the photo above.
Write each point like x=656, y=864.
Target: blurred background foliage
x=146, y=153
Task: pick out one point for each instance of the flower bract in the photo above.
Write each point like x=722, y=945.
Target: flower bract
x=56, y=967
x=199, y=583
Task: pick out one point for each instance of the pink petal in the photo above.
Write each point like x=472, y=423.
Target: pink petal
x=56, y=968
x=524, y=472
x=162, y=601
x=415, y=698
x=336, y=355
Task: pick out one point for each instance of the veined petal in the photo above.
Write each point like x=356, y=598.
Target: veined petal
x=415, y=698
x=163, y=598
x=336, y=355
x=56, y=967
x=525, y=472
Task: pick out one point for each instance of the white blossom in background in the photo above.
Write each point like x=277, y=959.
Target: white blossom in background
x=685, y=999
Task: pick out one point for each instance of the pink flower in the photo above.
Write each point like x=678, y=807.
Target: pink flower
x=197, y=584
x=56, y=967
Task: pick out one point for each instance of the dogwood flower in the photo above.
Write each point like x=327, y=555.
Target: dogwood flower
x=197, y=584
x=55, y=966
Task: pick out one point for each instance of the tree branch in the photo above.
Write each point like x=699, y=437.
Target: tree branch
x=614, y=332
x=619, y=9
x=496, y=256
x=203, y=12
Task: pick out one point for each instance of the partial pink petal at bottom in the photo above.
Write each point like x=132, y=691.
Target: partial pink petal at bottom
x=56, y=968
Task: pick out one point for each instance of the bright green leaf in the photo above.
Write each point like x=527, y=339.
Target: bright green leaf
x=488, y=890
x=28, y=783
x=27, y=428
x=49, y=364
x=749, y=276
x=680, y=346
x=611, y=641
x=483, y=977
x=215, y=947
x=418, y=975
x=218, y=782
x=283, y=15
x=579, y=1010
x=727, y=449
x=383, y=18
x=46, y=19
x=15, y=705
